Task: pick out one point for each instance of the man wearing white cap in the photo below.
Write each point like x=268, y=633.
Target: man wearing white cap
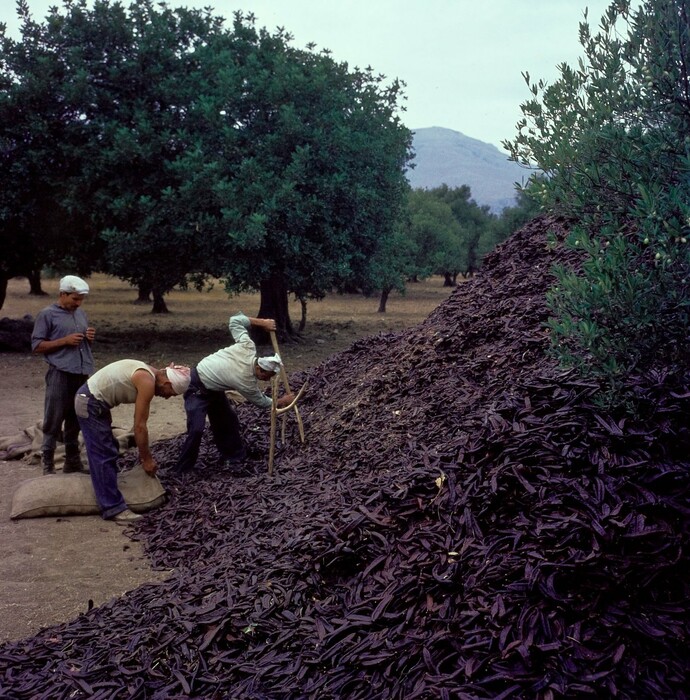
x=124, y=381
x=237, y=368
x=63, y=336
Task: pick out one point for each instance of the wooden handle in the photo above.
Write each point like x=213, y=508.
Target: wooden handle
x=284, y=377
x=272, y=449
x=274, y=342
x=276, y=350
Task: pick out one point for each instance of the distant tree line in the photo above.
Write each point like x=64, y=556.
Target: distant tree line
x=443, y=231
x=162, y=147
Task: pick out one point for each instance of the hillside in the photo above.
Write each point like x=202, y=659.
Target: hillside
x=444, y=156
x=462, y=522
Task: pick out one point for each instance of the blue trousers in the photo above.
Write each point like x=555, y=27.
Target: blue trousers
x=96, y=425
x=200, y=402
x=58, y=408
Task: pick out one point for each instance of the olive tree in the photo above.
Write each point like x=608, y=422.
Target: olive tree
x=612, y=136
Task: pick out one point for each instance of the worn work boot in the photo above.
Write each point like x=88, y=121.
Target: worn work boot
x=73, y=463
x=126, y=517
x=48, y=462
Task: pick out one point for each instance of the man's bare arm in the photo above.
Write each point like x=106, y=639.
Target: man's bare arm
x=267, y=323
x=146, y=388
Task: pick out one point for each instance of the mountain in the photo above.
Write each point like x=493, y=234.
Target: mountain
x=444, y=156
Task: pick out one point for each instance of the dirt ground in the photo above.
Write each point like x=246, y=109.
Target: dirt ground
x=56, y=568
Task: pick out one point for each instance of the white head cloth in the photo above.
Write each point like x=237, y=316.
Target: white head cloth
x=271, y=364
x=179, y=377
x=71, y=284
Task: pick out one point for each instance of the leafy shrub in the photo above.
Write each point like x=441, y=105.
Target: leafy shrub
x=613, y=138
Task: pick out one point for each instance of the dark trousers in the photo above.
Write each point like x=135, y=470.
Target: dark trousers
x=102, y=450
x=59, y=408
x=199, y=403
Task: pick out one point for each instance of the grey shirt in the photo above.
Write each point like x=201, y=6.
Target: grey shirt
x=54, y=322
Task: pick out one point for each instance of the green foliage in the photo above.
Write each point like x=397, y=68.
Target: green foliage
x=393, y=264
x=473, y=219
x=141, y=133
x=39, y=162
x=437, y=238
x=200, y=150
x=510, y=220
x=314, y=183
x=613, y=138
x=442, y=231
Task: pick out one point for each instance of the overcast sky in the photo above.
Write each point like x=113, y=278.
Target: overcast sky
x=461, y=59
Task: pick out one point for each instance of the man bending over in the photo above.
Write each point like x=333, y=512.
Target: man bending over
x=235, y=367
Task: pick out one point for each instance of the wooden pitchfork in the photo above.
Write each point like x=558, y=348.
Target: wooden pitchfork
x=275, y=411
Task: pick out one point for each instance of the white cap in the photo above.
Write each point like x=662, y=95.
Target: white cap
x=71, y=284
x=270, y=364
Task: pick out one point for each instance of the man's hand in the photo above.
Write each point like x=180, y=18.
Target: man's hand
x=150, y=466
x=267, y=323
x=73, y=338
x=90, y=334
x=285, y=400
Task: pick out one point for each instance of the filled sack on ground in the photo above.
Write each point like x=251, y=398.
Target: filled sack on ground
x=72, y=494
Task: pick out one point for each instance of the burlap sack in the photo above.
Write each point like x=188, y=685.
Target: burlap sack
x=18, y=444
x=72, y=494
x=27, y=443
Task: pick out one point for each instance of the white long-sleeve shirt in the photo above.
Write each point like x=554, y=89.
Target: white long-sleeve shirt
x=233, y=367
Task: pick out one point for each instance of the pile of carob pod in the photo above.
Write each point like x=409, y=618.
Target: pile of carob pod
x=462, y=522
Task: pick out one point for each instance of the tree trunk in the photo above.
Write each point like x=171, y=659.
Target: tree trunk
x=159, y=306
x=303, y=319
x=448, y=280
x=34, y=277
x=274, y=304
x=143, y=294
x=4, y=279
x=384, y=300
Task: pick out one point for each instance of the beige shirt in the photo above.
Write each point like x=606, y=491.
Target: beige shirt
x=113, y=384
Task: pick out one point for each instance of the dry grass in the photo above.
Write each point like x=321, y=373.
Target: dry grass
x=197, y=322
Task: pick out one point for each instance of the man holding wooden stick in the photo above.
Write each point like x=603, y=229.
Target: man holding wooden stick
x=237, y=368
